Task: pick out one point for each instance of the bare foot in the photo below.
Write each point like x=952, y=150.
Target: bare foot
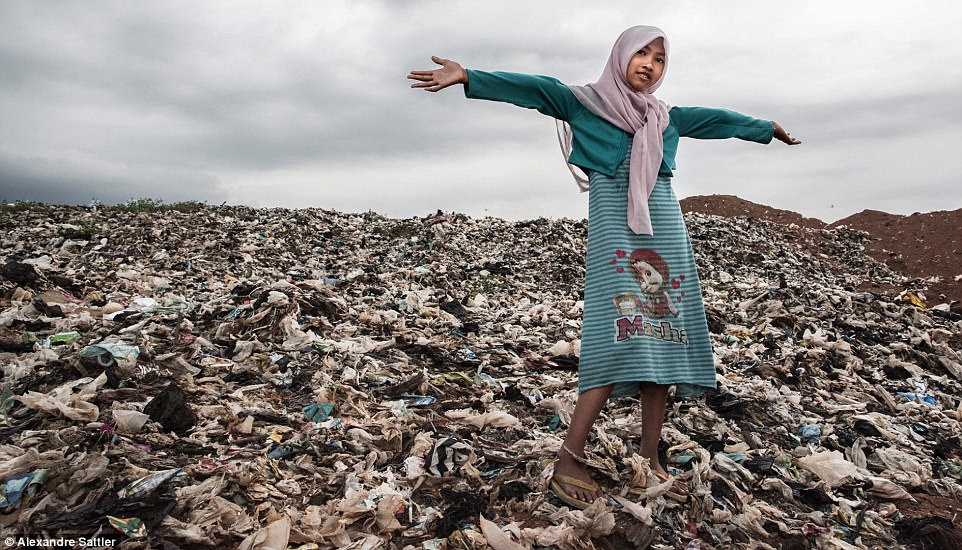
x=568, y=466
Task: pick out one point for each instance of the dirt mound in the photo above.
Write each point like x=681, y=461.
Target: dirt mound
x=923, y=246
x=730, y=205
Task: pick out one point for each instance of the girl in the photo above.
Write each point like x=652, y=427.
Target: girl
x=644, y=326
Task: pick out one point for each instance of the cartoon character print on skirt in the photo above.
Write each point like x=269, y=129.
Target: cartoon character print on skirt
x=651, y=273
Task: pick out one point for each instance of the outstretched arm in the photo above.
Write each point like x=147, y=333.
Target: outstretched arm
x=450, y=73
x=781, y=134
x=548, y=95
x=709, y=123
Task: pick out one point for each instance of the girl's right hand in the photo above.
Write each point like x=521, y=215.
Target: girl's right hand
x=450, y=73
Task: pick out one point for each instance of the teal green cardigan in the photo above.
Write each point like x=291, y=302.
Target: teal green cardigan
x=598, y=145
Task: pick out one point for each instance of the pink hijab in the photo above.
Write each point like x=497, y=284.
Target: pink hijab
x=638, y=113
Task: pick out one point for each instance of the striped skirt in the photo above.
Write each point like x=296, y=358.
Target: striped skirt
x=644, y=319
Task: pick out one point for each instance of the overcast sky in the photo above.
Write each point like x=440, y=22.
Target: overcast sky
x=306, y=104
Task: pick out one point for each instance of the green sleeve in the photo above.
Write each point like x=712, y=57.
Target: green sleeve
x=548, y=95
x=707, y=123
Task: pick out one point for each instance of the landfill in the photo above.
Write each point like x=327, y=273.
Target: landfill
x=234, y=377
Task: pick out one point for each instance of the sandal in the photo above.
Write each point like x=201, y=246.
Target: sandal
x=564, y=496
x=555, y=485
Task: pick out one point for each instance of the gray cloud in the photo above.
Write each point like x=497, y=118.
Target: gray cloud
x=78, y=181
x=306, y=103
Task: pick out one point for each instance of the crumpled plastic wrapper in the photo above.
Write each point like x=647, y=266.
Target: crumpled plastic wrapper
x=269, y=378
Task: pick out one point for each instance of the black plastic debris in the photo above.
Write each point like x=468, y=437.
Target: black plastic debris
x=171, y=409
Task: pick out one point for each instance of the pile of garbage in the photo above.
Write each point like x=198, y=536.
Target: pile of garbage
x=271, y=378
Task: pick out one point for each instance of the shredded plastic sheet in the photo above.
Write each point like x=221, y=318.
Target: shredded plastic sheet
x=252, y=378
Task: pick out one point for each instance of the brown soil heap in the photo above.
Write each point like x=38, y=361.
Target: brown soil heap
x=925, y=246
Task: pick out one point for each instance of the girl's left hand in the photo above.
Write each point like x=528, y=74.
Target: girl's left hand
x=781, y=134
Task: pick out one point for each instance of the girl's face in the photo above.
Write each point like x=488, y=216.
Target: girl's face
x=646, y=65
